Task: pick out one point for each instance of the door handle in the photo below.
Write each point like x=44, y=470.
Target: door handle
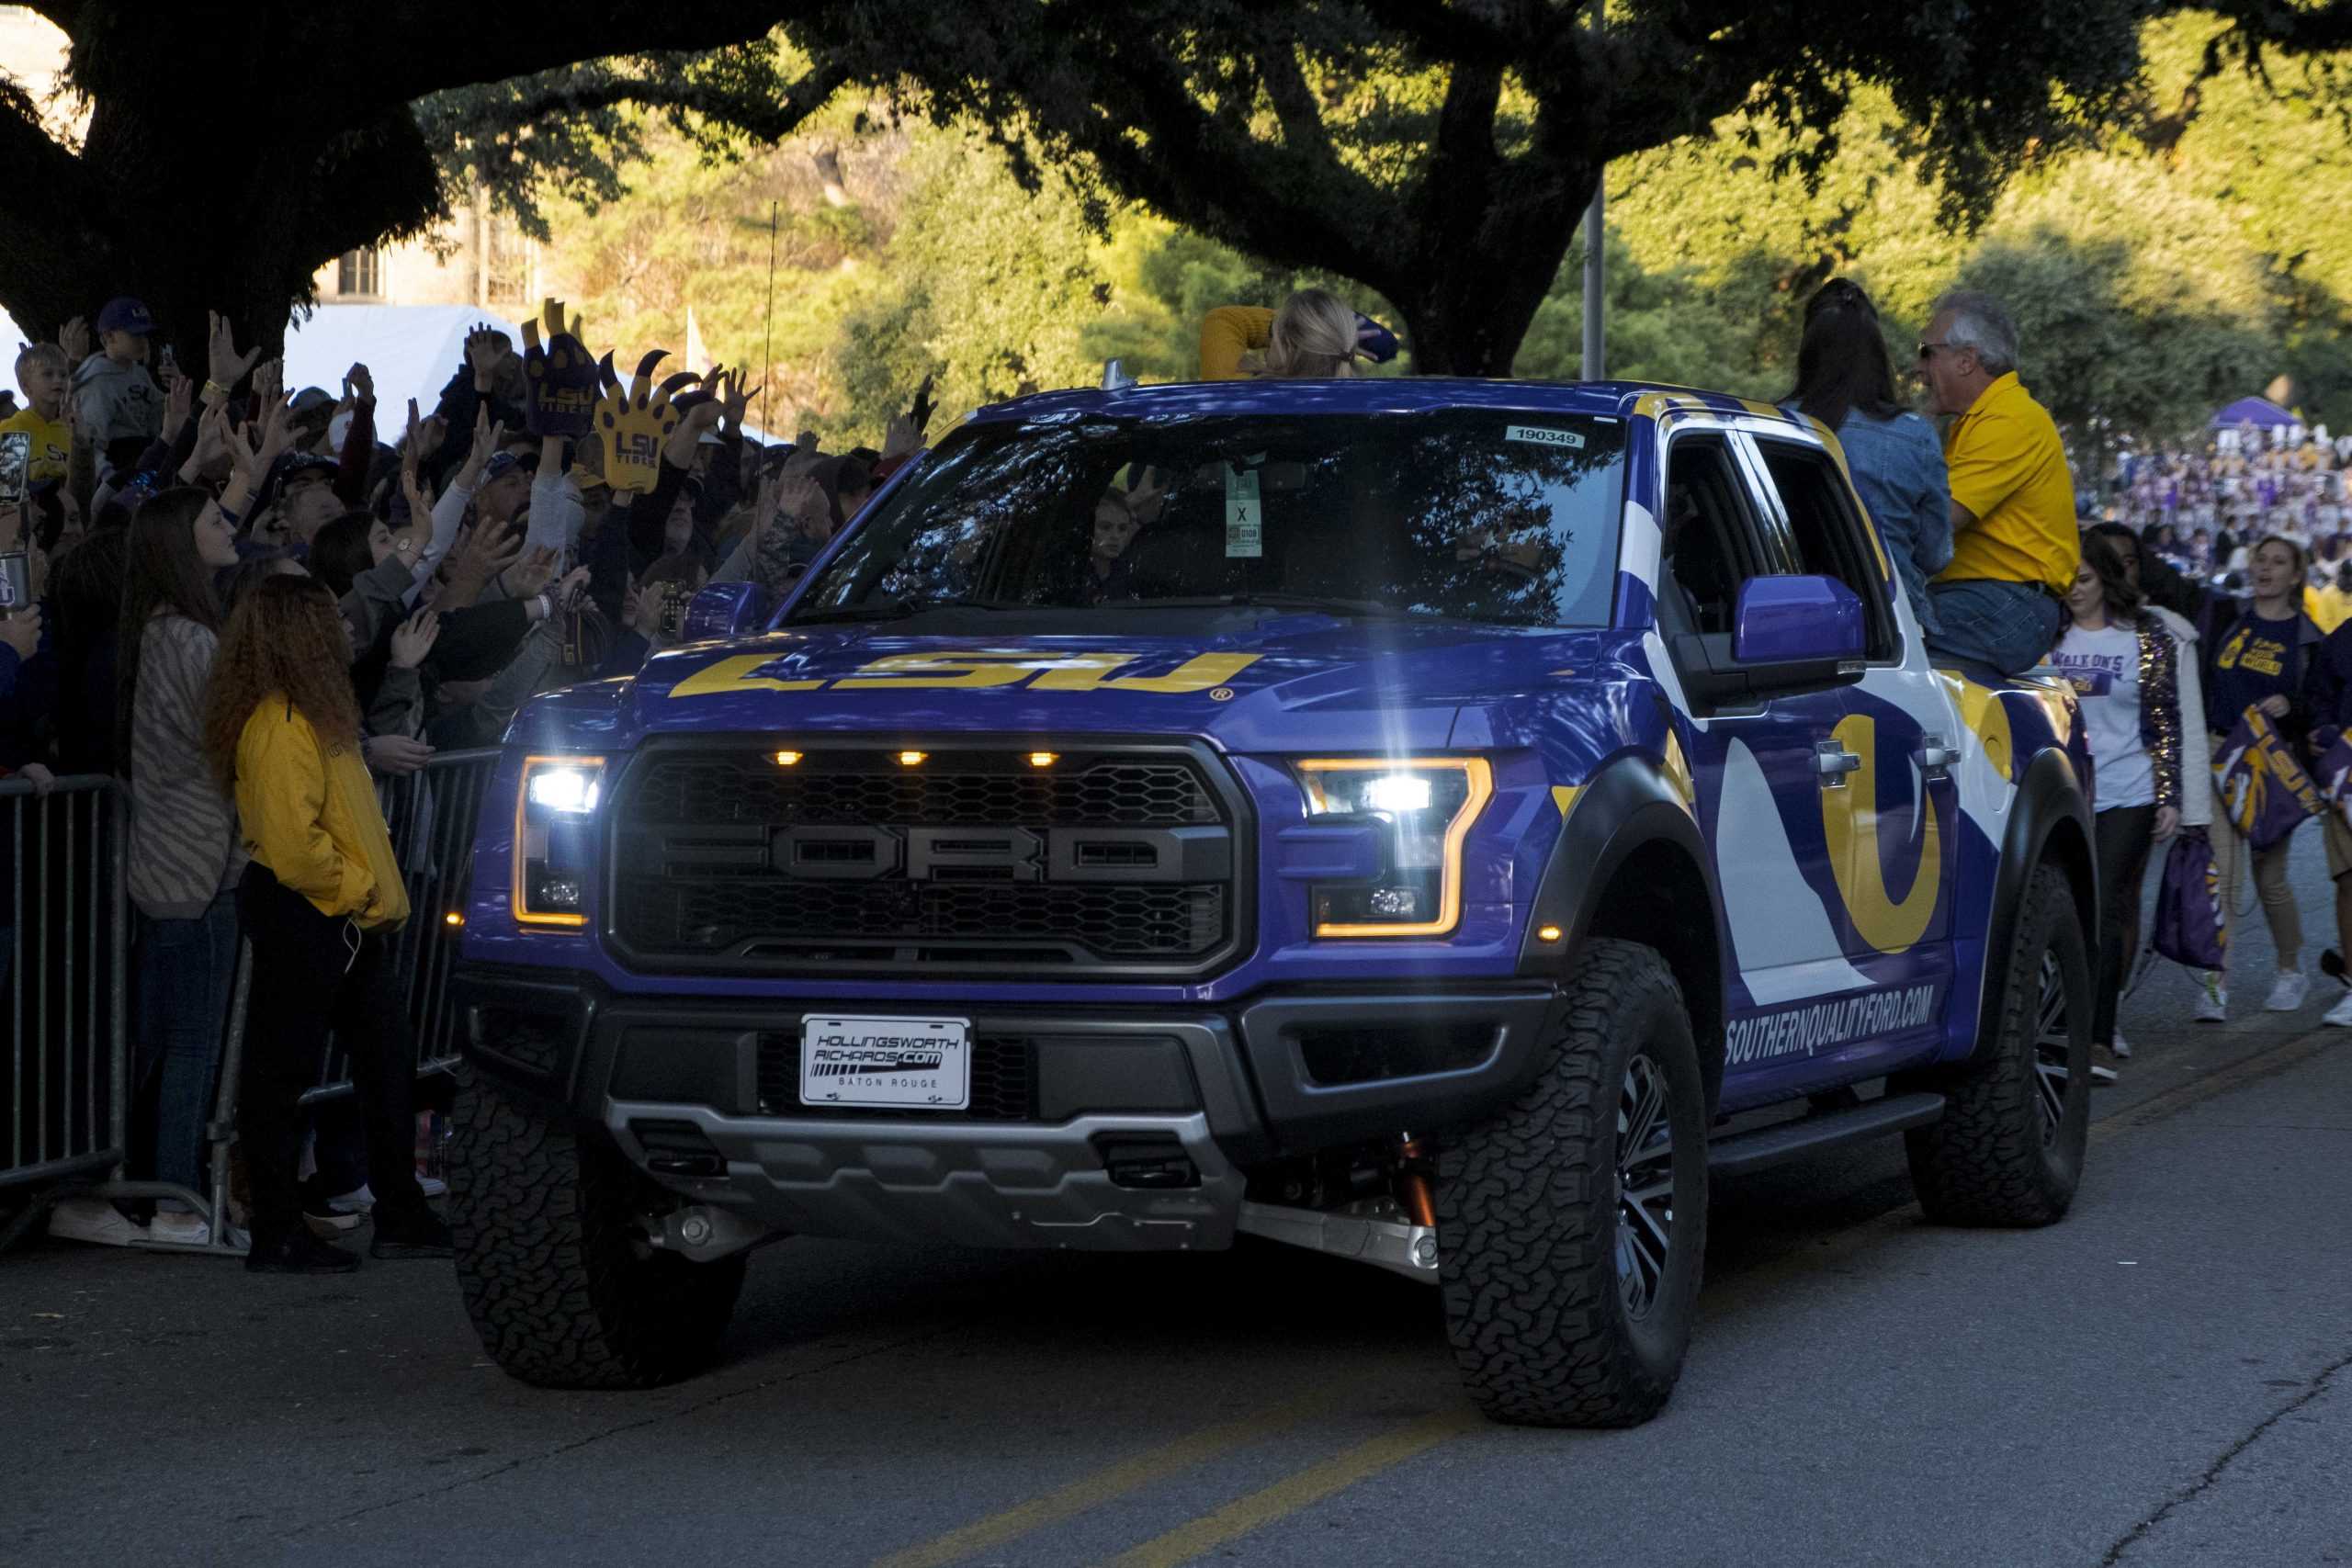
x=1833, y=763
x=1934, y=757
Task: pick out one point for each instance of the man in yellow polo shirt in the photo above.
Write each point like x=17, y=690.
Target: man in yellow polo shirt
x=2015, y=542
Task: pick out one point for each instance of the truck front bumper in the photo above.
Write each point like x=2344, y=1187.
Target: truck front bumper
x=1133, y=1129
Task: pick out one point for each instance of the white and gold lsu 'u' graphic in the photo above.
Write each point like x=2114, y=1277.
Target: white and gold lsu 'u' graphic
x=1849, y=819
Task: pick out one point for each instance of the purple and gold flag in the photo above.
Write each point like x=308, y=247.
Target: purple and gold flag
x=2259, y=786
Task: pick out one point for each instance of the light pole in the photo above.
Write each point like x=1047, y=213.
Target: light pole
x=1594, y=363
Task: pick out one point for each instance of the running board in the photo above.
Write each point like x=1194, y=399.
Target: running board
x=1744, y=1152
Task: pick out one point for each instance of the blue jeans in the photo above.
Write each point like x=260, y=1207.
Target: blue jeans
x=184, y=970
x=2011, y=626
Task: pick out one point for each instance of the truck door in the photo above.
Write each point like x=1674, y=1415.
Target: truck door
x=1891, y=824
x=1757, y=765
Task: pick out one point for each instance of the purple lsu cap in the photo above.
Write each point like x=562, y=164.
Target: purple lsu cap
x=124, y=314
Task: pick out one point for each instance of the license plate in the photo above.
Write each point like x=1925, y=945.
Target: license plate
x=922, y=1064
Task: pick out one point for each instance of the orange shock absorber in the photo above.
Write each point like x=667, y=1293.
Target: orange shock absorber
x=1415, y=1194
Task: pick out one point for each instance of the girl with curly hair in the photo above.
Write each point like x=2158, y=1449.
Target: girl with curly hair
x=320, y=903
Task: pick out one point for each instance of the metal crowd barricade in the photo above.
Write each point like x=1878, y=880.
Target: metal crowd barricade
x=432, y=816
x=65, y=966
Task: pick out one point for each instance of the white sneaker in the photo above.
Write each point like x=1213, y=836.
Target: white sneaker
x=94, y=1220
x=191, y=1230
x=2288, y=991
x=2213, y=1002
x=2340, y=1015
x=2122, y=1052
x=432, y=1185
x=359, y=1200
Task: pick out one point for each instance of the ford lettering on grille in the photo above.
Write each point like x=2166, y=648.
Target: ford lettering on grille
x=1113, y=862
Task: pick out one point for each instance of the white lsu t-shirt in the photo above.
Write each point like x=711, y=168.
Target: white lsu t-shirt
x=2105, y=668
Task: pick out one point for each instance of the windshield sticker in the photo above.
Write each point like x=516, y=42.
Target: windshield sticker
x=1244, y=538
x=1542, y=437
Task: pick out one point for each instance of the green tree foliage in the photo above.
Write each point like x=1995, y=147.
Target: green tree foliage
x=2171, y=269
x=230, y=150
x=1438, y=153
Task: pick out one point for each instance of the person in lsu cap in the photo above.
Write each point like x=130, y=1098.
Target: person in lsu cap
x=121, y=406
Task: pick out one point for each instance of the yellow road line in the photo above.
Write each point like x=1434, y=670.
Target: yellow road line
x=1303, y=1490
x=1116, y=1480
x=1309, y=1487
x=2261, y=1065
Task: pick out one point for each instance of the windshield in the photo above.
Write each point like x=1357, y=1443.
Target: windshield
x=1472, y=514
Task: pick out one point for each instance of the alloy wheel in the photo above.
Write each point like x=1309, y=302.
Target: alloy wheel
x=2053, y=1049
x=1644, y=1186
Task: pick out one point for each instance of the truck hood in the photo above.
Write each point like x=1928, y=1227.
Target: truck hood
x=1284, y=683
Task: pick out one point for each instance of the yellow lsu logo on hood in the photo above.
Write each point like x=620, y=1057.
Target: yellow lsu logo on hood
x=961, y=671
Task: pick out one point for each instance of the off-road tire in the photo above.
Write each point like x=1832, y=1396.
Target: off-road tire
x=1527, y=1211
x=1997, y=1157
x=551, y=1255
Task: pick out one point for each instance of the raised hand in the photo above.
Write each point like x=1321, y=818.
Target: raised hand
x=410, y=542
x=532, y=573
x=485, y=350
x=413, y=638
x=802, y=500
x=212, y=441
x=179, y=402
x=488, y=438
x=900, y=437
x=641, y=612
x=74, y=337
x=224, y=365
x=738, y=400
x=277, y=434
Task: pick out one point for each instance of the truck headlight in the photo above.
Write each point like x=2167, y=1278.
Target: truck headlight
x=1424, y=807
x=555, y=814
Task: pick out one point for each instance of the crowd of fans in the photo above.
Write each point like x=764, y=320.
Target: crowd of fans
x=464, y=555
x=2204, y=510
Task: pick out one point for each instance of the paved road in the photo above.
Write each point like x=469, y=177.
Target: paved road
x=2161, y=1380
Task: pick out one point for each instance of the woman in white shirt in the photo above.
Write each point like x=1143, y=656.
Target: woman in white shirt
x=2125, y=667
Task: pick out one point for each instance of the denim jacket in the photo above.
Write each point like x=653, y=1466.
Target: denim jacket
x=1898, y=470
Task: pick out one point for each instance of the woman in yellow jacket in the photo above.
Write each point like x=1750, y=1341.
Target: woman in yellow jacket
x=320, y=903
x=1312, y=335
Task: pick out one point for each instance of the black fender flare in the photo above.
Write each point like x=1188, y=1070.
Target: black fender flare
x=2048, y=796
x=1630, y=806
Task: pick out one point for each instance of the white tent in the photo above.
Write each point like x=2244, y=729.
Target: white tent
x=409, y=350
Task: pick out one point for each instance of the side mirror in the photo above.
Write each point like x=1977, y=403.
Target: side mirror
x=1797, y=620
x=1788, y=635
x=728, y=610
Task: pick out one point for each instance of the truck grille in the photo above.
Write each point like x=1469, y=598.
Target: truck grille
x=1108, y=861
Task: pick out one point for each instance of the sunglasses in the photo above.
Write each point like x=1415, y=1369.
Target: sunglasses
x=1926, y=350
